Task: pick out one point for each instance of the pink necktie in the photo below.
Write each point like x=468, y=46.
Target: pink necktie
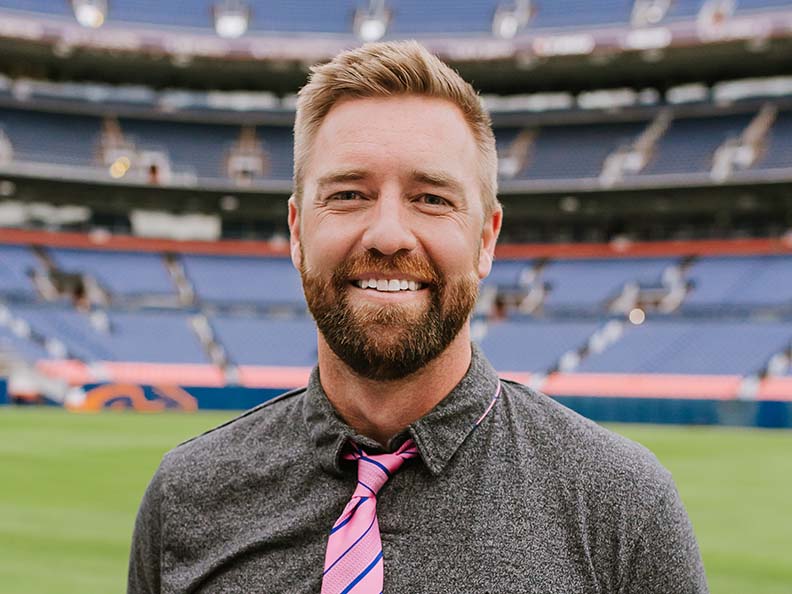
x=353, y=561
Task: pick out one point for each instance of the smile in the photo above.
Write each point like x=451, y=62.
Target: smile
x=389, y=285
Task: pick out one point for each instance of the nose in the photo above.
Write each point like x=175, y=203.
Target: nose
x=388, y=230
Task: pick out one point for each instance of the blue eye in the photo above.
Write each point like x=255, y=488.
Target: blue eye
x=346, y=196
x=433, y=200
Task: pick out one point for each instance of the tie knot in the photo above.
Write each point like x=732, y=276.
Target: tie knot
x=374, y=471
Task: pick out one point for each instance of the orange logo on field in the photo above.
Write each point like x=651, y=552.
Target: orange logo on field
x=132, y=396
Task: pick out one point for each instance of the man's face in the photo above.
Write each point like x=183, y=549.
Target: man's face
x=391, y=238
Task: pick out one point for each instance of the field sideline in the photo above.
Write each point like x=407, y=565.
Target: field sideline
x=70, y=485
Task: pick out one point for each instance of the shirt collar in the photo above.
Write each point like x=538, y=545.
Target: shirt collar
x=438, y=434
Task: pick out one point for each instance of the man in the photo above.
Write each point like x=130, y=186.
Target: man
x=406, y=464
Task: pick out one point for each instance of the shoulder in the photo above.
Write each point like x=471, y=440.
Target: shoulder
x=258, y=431
x=581, y=452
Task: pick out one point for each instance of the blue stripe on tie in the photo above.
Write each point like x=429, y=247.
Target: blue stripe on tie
x=375, y=463
x=349, y=517
x=352, y=546
x=362, y=574
x=373, y=492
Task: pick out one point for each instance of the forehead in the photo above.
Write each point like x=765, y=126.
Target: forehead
x=391, y=134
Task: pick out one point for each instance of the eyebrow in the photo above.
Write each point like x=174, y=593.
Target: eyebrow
x=339, y=177
x=438, y=179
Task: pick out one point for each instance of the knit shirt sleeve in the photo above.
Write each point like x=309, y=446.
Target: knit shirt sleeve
x=666, y=556
x=145, y=553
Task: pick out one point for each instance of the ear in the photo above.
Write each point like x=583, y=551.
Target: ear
x=294, y=233
x=489, y=237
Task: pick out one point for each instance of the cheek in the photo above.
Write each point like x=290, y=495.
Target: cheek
x=325, y=246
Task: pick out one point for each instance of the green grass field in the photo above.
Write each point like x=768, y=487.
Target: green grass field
x=70, y=485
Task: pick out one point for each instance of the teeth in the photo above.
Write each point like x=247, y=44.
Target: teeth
x=387, y=285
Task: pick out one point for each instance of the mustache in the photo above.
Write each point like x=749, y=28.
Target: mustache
x=405, y=263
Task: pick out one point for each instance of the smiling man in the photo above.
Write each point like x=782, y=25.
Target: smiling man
x=406, y=465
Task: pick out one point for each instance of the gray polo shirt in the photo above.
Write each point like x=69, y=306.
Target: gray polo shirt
x=534, y=499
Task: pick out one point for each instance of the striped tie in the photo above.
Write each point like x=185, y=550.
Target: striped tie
x=353, y=561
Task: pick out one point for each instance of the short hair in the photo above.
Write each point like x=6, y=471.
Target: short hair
x=390, y=69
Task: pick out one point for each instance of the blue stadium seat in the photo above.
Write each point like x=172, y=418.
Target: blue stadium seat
x=16, y=262
x=575, y=13
x=740, y=281
x=238, y=279
x=25, y=349
x=263, y=341
x=534, y=346
x=152, y=336
x=122, y=273
x=779, y=144
x=420, y=17
x=588, y=284
x=507, y=274
x=578, y=150
x=191, y=147
x=60, y=138
x=692, y=347
x=689, y=144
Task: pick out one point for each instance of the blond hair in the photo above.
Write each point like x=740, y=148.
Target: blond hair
x=384, y=70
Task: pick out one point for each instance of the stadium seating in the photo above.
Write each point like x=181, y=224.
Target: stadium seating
x=690, y=143
x=198, y=147
x=408, y=17
x=258, y=281
x=740, y=281
x=555, y=152
x=14, y=346
x=579, y=151
x=16, y=263
x=779, y=147
x=262, y=341
x=121, y=273
x=687, y=347
x=150, y=336
x=534, y=345
x=507, y=274
x=588, y=284
x=59, y=138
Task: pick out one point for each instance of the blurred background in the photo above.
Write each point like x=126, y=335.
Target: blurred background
x=644, y=274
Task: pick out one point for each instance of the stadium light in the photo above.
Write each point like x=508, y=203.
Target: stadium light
x=90, y=13
x=508, y=21
x=371, y=23
x=231, y=18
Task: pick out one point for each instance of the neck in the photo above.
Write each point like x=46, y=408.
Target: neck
x=381, y=409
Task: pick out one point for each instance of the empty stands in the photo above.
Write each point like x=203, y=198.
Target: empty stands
x=550, y=151
x=589, y=284
x=535, y=346
x=16, y=265
x=687, y=347
x=126, y=274
x=267, y=341
x=568, y=152
x=740, y=281
x=150, y=336
x=14, y=346
x=690, y=143
x=408, y=17
x=43, y=137
x=257, y=281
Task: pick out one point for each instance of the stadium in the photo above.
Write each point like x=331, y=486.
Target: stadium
x=643, y=277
